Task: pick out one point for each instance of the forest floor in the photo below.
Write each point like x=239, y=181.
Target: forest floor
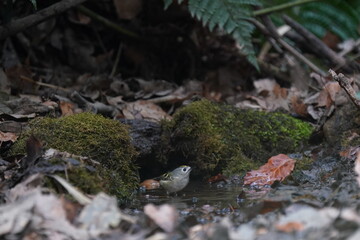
x=74, y=63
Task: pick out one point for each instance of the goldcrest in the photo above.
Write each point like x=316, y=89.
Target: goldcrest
x=176, y=180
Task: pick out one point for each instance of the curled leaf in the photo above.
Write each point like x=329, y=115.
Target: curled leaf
x=150, y=184
x=276, y=169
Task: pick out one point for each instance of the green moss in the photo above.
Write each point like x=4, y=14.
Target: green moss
x=217, y=137
x=94, y=136
x=89, y=182
x=304, y=163
x=350, y=138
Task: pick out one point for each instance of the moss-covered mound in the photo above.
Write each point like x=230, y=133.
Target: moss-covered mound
x=217, y=137
x=94, y=136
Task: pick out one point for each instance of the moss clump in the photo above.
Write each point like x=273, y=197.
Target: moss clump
x=94, y=136
x=88, y=181
x=218, y=137
x=304, y=163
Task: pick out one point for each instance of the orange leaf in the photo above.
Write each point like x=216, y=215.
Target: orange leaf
x=8, y=136
x=276, y=169
x=299, y=106
x=150, y=184
x=357, y=167
x=217, y=178
x=67, y=108
x=290, y=227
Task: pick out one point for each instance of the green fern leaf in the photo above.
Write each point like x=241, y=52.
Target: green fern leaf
x=167, y=3
x=339, y=17
x=34, y=3
x=229, y=15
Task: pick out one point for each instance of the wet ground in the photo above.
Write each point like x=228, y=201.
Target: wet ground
x=196, y=194
x=319, y=203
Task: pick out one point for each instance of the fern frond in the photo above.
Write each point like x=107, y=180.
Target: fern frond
x=339, y=18
x=167, y=3
x=229, y=15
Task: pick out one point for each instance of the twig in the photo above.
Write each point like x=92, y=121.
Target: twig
x=281, y=7
x=273, y=70
x=318, y=47
x=108, y=23
x=44, y=84
x=289, y=48
x=345, y=84
x=117, y=59
x=33, y=19
x=96, y=107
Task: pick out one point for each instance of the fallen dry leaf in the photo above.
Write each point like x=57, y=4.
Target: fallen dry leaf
x=280, y=92
x=4, y=137
x=299, y=106
x=274, y=96
x=351, y=153
x=290, y=227
x=276, y=169
x=165, y=216
x=67, y=108
x=264, y=86
x=150, y=184
x=217, y=178
x=128, y=9
x=357, y=167
x=328, y=94
x=144, y=110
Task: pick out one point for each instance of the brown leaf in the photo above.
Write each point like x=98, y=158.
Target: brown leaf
x=357, y=167
x=33, y=151
x=144, y=110
x=4, y=137
x=290, y=227
x=280, y=92
x=298, y=106
x=128, y=9
x=150, y=184
x=67, y=108
x=350, y=152
x=217, y=178
x=328, y=94
x=276, y=169
x=165, y=216
x=333, y=88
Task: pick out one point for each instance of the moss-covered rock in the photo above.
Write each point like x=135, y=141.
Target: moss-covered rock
x=217, y=137
x=94, y=136
x=342, y=127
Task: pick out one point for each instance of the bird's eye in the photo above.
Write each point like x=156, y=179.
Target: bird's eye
x=184, y=169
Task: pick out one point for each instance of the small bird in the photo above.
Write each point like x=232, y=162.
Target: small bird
x=176, y=180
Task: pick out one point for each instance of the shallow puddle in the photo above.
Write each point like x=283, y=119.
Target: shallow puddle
x=195, y=194
x=207, y=202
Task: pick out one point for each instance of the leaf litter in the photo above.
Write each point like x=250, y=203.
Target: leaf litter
x=324, y=207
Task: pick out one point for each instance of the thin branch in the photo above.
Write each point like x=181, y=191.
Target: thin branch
x=318, y=46
x=281, y=7
x=117, y=59
x=107, y=22
x=43, y=84
x=289, y=48
x=33, y=19
x=345, y=84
